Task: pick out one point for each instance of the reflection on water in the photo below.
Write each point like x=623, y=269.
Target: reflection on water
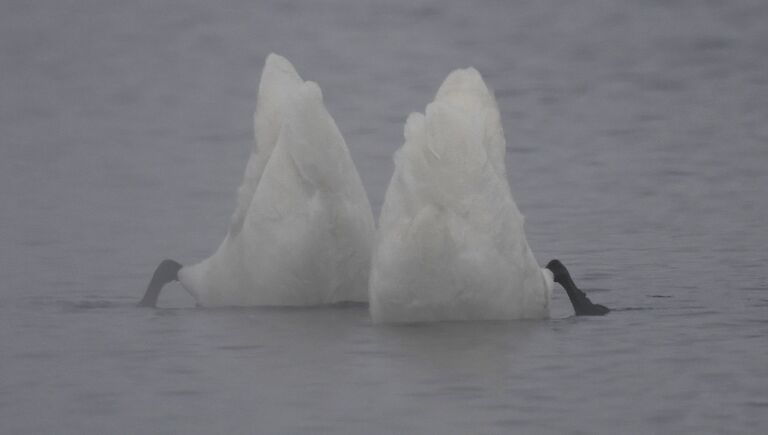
x=637, y=150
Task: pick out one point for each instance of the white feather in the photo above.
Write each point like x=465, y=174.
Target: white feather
x=303, y=229
x=451, y=244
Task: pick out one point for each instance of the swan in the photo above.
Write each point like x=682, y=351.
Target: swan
x=303, y=230
x=451, y=244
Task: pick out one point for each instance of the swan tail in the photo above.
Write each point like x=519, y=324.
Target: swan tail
x=456, y=149
x=477, y=117
x=279, y=82
x=315, y=143
x=167, y=271
x=582, y=306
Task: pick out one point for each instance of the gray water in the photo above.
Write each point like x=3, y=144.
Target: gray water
x=638, y=146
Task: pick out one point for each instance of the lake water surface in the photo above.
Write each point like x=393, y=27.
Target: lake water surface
x=637, y=149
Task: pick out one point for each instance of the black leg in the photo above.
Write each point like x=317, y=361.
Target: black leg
x=581, y=303
x=166, y=272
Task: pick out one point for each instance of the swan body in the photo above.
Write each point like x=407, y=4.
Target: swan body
x=451, y=244
x=303, y=229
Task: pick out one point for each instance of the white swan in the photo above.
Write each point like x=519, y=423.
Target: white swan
x=451, y=244
x=303, y=229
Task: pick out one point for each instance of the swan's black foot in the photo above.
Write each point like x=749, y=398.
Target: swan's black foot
x=581, y=303
x=593, y=310
x=167, y=271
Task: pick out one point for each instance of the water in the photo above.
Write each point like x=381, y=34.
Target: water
x=638, y=144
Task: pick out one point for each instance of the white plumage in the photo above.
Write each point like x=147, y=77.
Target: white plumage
x=451, y=244
x=303, y=229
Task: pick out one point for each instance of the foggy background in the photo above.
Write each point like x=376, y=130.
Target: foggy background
x=637, y=148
